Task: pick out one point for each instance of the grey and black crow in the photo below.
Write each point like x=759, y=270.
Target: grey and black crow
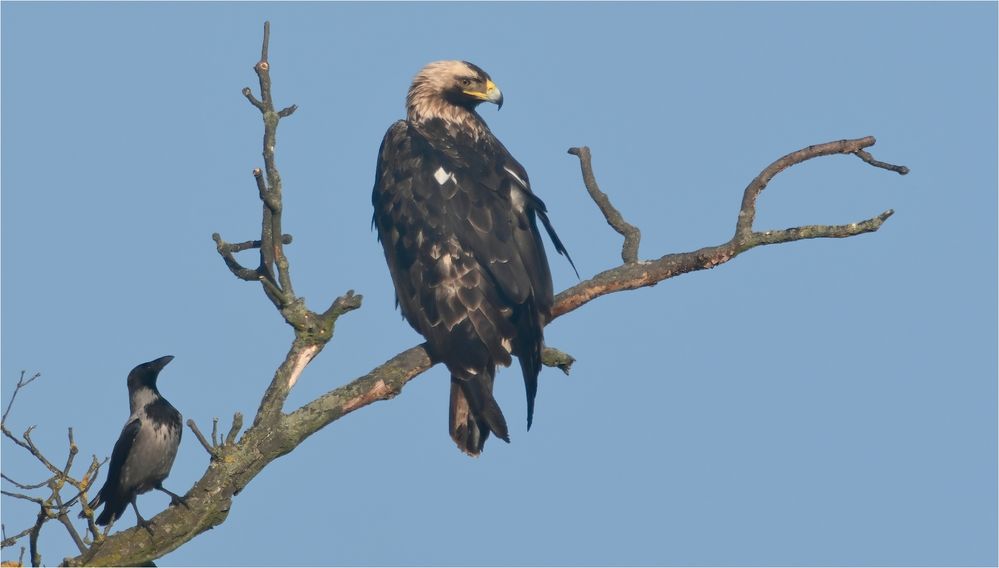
x=145, y=451
x=457, y=220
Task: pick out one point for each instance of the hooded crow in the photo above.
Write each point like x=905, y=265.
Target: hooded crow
x=146, y=448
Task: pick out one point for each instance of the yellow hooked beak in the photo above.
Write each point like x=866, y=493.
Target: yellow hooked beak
x=492, y=94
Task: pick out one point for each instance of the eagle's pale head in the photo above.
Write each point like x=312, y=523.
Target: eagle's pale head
x=450, y=90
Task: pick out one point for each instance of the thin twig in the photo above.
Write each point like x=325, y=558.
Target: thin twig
x=237, y=424
x=212, y=451
x=28, y=445
x=11, y=541
x=63, y=518
x=226, y=250
x=900, y=170
x=267, y=41
x=248, y=245
x=73, y=450
x=21, y=383
x=248, y=93
x=26, y=487
x=36, y=500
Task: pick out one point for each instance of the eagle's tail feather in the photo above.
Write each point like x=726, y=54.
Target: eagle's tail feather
x=530, y=364
x=474, y=413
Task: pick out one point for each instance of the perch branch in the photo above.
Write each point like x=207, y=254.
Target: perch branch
x=274, y=433
x=387, y=381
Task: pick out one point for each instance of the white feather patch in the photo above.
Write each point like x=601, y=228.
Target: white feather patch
x=517, y=198
x=516, y=177
x=442, y=175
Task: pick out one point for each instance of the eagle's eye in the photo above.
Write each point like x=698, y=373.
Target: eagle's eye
x=466, y=82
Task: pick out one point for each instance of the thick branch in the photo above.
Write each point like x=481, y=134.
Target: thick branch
x=388, y=380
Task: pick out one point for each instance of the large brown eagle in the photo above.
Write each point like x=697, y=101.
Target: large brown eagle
x=458, y=222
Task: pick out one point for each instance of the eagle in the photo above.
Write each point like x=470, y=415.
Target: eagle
x=457, y=221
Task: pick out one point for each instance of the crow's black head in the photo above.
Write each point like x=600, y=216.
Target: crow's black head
x=145, y=374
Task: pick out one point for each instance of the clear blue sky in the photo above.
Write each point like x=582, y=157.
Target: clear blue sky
x=823, y=402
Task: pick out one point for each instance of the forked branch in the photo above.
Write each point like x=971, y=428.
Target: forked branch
x=274, y=433
x=387, y=381
x=51, y=506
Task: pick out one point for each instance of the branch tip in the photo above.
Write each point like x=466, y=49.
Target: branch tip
x=346, y=303
x=248, y=93
x=237, y=424
x=867, y=157
x=551, y=357
x=212, y=451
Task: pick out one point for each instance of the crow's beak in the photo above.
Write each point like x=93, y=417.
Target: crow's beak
x=158, y=364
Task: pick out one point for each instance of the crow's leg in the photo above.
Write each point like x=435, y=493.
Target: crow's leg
x=174, y=498
x=142, y=522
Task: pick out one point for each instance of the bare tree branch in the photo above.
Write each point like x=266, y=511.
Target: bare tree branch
x=36, y=557
x=237, y=424
x=10, y=541
x=53, y=507
x=274, y=433
x=23, y=497
x=210, y=448
x=21, y=383
x=552, y=357
x=900, y=170
x=63, y=516
x=632, y=236
x=24, y=486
